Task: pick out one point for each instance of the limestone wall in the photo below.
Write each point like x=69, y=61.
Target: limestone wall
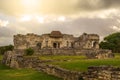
x=98, y=53
x=10, y=59
x=102, y=73
x=42, y=41
x=59, y=72
x=26, y=41
x=86, y=41
x=90, y=53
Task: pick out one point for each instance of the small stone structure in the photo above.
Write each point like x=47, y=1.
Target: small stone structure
x=102, y=73
x=10, y=59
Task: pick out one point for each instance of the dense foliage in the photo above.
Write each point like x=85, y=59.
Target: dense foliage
x=29, y=51
x=3, y=49
x=111, y=42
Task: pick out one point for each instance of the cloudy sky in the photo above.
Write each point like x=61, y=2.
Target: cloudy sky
x=68, y=16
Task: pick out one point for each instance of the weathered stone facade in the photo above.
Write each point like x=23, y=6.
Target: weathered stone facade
x=10, y=59
x=102, y=73
x=56, y=40
x=56, y=43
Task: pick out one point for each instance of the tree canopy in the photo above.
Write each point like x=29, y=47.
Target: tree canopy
x=111, y=42
x=3, y=49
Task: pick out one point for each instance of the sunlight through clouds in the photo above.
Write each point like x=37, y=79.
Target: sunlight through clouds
x=40, y=19
x=4, y=23
x=116, y=28
x=26, y=18
x=62, y=18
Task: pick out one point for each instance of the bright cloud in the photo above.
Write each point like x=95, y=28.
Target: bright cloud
x=116, y=28
x=26, y=18
x=4, y=23
x=61, y=18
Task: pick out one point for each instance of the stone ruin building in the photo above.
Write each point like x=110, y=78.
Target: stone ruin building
x=56, y=40
x=57, y=43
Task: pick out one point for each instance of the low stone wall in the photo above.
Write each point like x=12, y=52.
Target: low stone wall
x=59, y=72
x=90, y=53
x=94, y=73
x=102, y=73
x=98, y=53
x=56, y=52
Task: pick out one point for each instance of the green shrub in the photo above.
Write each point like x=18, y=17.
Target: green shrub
x=4, y=49
x=29, y=51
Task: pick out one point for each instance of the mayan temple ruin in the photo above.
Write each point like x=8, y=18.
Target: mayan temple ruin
x=56, y=40
x=57, y=43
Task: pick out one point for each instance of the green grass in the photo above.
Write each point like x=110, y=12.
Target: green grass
x=60, y=57
x=22, y=74
x=83, y=64
x=1, y=57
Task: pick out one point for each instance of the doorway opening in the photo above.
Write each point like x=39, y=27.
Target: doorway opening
x=39, y=45
x=54, y=45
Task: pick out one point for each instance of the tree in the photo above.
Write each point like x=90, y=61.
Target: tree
x=3, y=49
x=29, y=51
x=111, y=42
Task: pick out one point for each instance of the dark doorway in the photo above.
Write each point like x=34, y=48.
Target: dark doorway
x=94, y=44
x=54, y=45
x=39, y=45
x=58, y=45
x=67, y=44
x=72, y=45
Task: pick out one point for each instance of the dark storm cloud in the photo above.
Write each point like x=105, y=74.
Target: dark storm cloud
x=89, y=25
x=6, y=32
x=88, y=5
x=6, y=36
x=75, y=27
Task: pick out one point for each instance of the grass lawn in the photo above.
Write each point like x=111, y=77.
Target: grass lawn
x=23, y=74
x=60, y=57
x=81, y=64
x=1, y=57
